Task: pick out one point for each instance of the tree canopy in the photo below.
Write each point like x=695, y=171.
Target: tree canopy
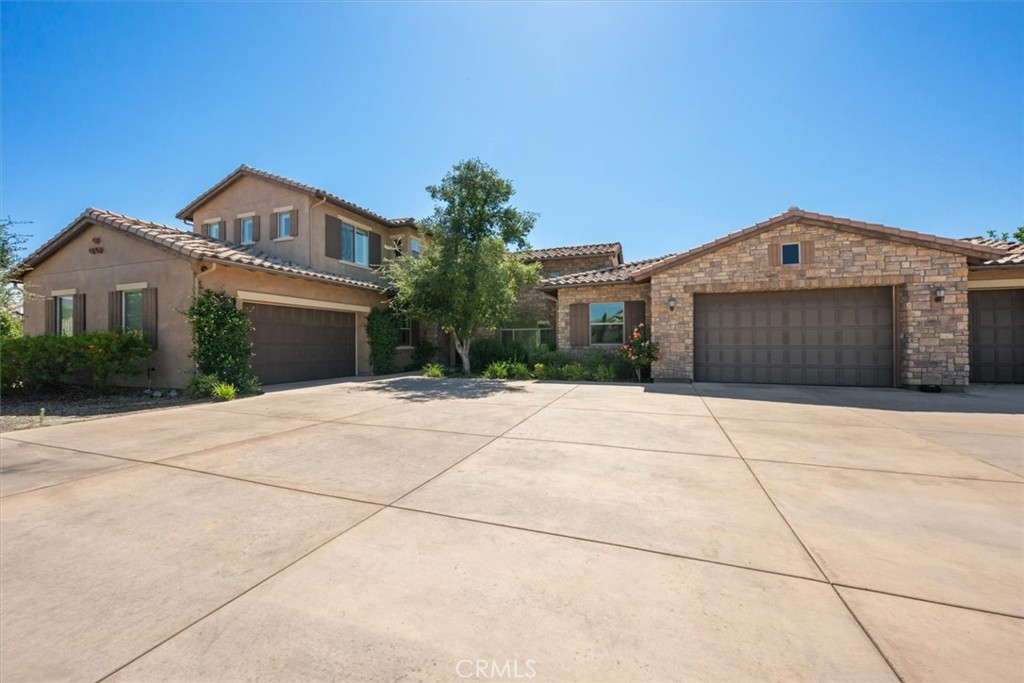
x=466, y=280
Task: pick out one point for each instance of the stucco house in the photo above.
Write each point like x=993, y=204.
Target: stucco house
x=301, y=260
x=801, y=298
x=806, y=298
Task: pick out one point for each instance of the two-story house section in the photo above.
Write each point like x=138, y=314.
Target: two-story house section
x=301, y=260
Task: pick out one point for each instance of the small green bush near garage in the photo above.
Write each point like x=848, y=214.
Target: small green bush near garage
x=507, y=369
x=434, y=371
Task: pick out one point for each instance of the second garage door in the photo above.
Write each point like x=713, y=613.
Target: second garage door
x=997, y=335
x=295, y=344
x=841, y=337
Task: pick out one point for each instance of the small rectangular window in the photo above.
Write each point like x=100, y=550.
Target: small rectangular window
x=790, y=254
x=607, y=322
x=131, y=307
x=284, y=224
x=248, y=230
x=405, y=332
x=65, y=315
x=348, y=242
x=414, y=247
x=213, y=230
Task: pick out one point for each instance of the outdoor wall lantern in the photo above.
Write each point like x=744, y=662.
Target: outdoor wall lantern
x=940, y=293
x=672, y=302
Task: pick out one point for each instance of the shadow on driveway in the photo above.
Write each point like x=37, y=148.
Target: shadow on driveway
x=421, y=389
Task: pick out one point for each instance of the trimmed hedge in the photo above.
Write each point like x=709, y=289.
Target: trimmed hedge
x=48, y=361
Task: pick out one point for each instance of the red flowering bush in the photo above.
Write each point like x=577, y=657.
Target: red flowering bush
x=639, y=351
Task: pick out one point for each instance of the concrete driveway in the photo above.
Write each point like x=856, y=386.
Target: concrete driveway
x=444, y=530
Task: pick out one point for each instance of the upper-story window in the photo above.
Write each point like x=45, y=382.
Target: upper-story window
x=284, y=224
x=214, y=229
x=790, y=254
x=247, y=230
x=355, y=245
x=414, y=247
x=65, y=315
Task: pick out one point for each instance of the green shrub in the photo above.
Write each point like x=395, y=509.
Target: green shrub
x=48, y=361
x=506, y=369
x=222, y=391
x=200, y=385
x=483, y=352
x=604, y=373
x=10, y=325
x=423, y=352
x=220, y=338
x=433, y=371
x=574, y=372
x=383, y=332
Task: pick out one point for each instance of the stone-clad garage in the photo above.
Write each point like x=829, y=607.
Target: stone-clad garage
x=801, y=298
x=292, y=344
x=840, y=337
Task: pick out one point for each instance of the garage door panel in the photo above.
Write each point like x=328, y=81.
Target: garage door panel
x=292, y=344
x=832, y=337
x=997, y=335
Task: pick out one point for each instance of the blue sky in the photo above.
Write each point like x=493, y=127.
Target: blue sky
x=660, y=125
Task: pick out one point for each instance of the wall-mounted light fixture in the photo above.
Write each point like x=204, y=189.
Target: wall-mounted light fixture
x=940, y=293
x=672, y=302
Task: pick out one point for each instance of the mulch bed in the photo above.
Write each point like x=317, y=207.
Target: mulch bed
x=24, y=411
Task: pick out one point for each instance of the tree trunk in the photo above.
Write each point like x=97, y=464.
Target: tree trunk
x=462, y=347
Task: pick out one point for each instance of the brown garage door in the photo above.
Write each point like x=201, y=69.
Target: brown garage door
x=997, y=335
x=823, y=336
x=295, y=344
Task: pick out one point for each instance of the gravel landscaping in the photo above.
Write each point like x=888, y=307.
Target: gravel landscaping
x=44, y=410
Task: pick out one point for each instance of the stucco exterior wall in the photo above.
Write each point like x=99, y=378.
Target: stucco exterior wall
x=932, y=336
x=594, y=295
x=125, y=259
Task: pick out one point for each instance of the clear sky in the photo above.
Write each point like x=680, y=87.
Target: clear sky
x=659, y=125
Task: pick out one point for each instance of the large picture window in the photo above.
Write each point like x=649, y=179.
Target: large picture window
x=530, y=337
x=607, y=323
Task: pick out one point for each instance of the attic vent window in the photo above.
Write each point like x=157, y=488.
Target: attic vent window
x=790, y=254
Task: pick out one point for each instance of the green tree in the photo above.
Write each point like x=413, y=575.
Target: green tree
x=466, y=280
x=10, y=293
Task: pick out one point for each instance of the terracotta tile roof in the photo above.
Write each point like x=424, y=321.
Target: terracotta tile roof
x=195, y=247
x=243, y=170
x=795, y=215
x=601, y=276
x=547, y=253
x=1013, y=252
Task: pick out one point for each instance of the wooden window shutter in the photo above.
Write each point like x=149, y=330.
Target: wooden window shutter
x=51, y=315
x=295, y=223
x=238, y=230
x=414, y=331
x=636, y=312
x=255, y=228
x=332, y=237
x=78, y=314
x=807, y=252
x=375, y=250
x=775, y=254
x=273, y=226
x=115, y=312
x=579, y=325
x=149, y=315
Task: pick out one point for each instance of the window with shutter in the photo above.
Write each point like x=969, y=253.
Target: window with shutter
x=332, y=237
x=579, y=325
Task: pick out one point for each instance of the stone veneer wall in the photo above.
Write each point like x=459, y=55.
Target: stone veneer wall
x=932, y=336
x=599, y=294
